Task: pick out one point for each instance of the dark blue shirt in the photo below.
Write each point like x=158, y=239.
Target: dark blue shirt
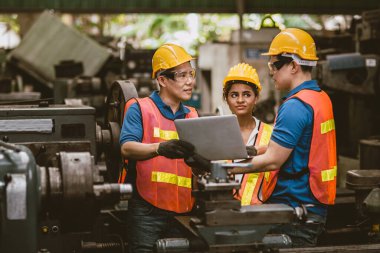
x=293, y=130
x=132, y=126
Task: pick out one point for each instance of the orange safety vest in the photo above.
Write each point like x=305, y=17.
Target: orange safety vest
x=322, y=157
x=123, y=171
x=163, y=182
x=248, y=192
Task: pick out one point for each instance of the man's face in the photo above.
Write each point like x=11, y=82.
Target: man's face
x=179, y=82
x=280, y=72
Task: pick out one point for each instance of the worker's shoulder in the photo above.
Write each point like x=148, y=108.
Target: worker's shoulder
x=295, y=104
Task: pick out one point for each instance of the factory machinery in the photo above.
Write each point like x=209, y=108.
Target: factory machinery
x=59, y=165
x=59, y=170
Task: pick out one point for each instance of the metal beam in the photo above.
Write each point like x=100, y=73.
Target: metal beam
x=193, y=6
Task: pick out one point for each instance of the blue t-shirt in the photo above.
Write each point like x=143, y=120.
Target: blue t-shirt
x=132, y=125
x=293, y=129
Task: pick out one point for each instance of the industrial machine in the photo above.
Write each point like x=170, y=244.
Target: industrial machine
x=62, y=197
x=222, y=225
x=40, y=204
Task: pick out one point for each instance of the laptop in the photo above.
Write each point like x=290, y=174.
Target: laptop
x=214, y=137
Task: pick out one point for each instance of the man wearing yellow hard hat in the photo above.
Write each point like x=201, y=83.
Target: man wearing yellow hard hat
x=300, y=161
x=161, y=179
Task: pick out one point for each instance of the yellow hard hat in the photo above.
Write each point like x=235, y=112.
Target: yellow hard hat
x=169, y=56
x=243, y=72
x=294, y=41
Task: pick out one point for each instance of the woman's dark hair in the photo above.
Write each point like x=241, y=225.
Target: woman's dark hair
x=229, y=84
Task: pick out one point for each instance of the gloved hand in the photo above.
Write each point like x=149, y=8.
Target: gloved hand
x=198, y=163
x=251, y=150
x=175, y=149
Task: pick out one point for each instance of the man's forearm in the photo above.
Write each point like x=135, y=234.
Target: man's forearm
x=274, y=157
x=139, y=151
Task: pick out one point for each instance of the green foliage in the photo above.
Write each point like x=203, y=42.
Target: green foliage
x=11, y=21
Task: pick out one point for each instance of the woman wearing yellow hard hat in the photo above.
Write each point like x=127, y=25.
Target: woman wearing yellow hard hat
x=241, y=90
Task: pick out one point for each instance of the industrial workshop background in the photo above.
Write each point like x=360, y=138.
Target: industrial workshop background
x=67, y=69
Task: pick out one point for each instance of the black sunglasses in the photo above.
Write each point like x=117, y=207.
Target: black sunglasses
x=277, y=65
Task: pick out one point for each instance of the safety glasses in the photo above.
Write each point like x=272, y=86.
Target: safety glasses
x=277, y=65
x=180, y=76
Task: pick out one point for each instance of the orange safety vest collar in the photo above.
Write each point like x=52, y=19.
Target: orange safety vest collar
x=322, y=157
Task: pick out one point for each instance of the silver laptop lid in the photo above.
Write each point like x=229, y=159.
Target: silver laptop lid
x=214, y=137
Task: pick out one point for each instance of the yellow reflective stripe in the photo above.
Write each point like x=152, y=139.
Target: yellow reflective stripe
x=327, y=126
x=265, y=136
x=249, y=188
x=169, y=178
x=328, y=175
x=266, y=175
x=165, y=134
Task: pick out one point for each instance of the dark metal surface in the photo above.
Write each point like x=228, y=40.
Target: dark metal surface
x=77, y=178
x=259, y=214
x=195, y=6
x=72, y=125
x=353, y=73
x=365, y=248
x=121, y=91
x=19, y=199
x=370, y=153
x=362, y=179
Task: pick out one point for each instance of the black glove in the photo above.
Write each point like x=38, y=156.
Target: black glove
x=198, y=163
x=251, y=150
x=175, y=149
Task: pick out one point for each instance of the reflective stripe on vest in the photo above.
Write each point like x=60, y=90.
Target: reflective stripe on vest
x=329, y=175
x=327, y=126
x=165, y=183
x=249, y=188
x=322, y=163
x=251, y=181
x=169, y=178
x=164, y=134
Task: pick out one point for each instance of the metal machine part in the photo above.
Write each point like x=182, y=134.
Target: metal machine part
x=362, y=182
x=353, y=73
x=107, y=136
x=48, y=129
x=370, y=153
x=19, y=199
x=86, y=88
x=222, y=224
x=72, y=192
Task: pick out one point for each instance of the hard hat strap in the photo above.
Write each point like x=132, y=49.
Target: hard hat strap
x=300, y=61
